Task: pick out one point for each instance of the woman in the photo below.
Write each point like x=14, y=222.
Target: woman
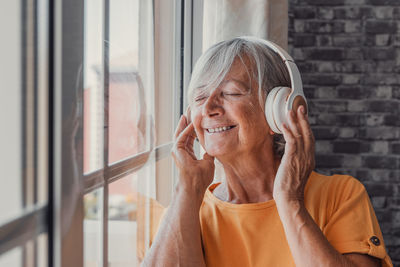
x=271, y=209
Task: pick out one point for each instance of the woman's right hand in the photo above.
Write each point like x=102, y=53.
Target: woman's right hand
x=195, y=175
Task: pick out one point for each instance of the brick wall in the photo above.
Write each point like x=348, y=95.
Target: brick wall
x=348, y=52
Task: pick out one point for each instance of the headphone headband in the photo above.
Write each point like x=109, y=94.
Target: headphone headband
x=295, y=78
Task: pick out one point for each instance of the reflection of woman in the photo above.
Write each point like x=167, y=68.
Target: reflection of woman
x=272, y=209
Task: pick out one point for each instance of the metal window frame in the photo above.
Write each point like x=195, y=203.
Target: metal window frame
x=96, y=179
x=67, y=195
x=192, y=40
x=24, y=228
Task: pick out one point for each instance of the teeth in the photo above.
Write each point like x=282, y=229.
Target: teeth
x=219, y=129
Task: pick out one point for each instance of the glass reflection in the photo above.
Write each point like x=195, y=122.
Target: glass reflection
x=93, y=87
x=129, y=121
x=133, y=216
x=92, y=228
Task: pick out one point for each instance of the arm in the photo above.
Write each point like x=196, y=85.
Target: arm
x=307, y=243
x=178, y=242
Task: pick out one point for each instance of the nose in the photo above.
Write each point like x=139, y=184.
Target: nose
x=213, y=106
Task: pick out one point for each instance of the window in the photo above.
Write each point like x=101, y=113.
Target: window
x=94, y=91
x=131, y=104
x=24, y=205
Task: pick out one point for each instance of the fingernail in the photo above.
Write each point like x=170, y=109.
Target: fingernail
x=302, y=109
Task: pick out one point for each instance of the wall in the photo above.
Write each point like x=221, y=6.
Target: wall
x=348, y=52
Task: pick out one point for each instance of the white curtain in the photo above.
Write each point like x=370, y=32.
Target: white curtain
x=225, y=19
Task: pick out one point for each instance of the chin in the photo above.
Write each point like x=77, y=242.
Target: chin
x=217, y=151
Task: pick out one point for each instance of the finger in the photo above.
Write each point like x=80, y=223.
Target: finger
x=181, y=126
x=308, y=136
x=183, y=137
x=189, y=120
x=293, y=126
x=290, y=146
x=190, y=141
x=206, y=156
x=180, y=150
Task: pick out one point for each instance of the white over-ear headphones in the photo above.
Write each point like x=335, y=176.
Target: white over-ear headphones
x=281, y=100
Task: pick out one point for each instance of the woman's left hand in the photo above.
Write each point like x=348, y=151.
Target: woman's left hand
x=298, y=161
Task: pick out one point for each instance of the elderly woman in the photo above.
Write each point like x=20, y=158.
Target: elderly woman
x=271, y=209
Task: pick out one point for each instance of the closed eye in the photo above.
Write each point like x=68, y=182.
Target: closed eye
x=232, y=94
x=198, y=99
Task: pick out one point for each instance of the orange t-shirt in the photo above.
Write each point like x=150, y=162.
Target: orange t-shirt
x=253, y=235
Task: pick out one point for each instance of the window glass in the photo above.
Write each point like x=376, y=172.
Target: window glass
x=92, y=228
x=164, y=180
x=35, y=252
x=43, y=250
x=93, y=81
x=11, y=117
x=131, y=222
x=12, y=258
x=128, y=113
x=122, y=225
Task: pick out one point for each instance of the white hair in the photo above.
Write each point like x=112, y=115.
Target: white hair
x=267, y=68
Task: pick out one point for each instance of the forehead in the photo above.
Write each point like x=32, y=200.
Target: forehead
x=240, y=71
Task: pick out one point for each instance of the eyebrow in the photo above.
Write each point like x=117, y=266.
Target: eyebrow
x=236, y=81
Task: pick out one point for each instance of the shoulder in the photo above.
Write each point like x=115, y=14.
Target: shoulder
x=329, y=193
x=337, y=184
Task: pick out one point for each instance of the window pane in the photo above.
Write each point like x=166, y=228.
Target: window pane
x=11, y=117
x=93, y=240
x=12, y=258
x=131, y=223
x=35, y=252
x=43, y=250
x=93, y=87
x=164, y=180
x=128, y=113
x=122, y=224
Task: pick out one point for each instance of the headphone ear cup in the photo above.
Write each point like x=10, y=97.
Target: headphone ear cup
x=269, y=113
x=275, y=108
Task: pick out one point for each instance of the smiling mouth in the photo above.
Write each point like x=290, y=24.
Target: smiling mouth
x=220, y=129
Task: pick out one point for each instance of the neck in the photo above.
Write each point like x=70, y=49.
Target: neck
x=249, y=177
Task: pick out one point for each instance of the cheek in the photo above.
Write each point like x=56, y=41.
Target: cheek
x=196, y=120
x=254, y=118
x=252, y=113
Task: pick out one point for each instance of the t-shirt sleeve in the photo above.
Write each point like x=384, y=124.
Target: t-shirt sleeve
x=353, y=226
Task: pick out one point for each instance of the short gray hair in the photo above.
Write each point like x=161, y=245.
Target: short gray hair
x=268, y=69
